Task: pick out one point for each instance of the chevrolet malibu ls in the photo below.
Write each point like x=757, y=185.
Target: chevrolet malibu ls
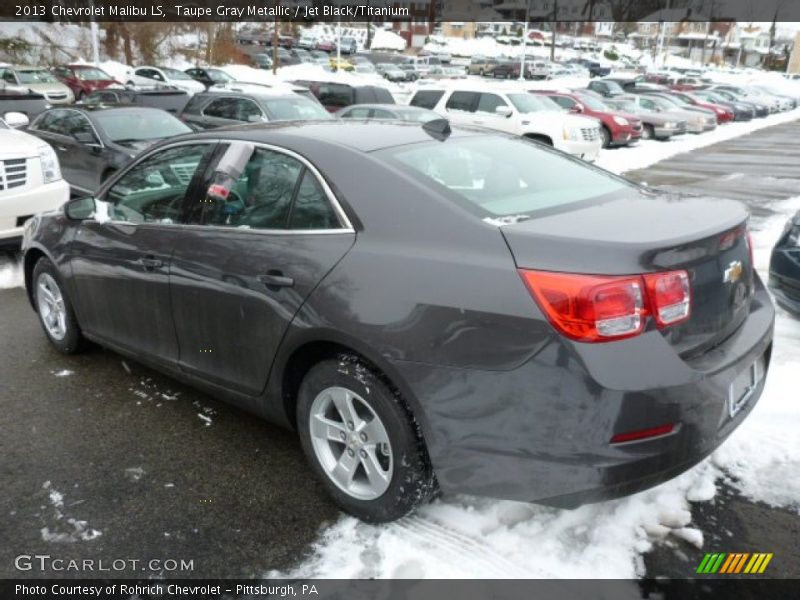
x=431, y=308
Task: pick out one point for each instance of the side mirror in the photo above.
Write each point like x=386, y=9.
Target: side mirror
x=15, y=120
x=577, y=108
x=503, y=111
x=256, y=119
x=87, y=139
x=80, y=209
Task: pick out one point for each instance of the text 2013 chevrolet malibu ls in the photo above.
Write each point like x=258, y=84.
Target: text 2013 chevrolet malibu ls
x=431, y=309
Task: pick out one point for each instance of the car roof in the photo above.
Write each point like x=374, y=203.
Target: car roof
x=362, y=136
x=106, y=108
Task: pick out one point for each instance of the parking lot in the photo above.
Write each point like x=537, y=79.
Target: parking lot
x=105, y=459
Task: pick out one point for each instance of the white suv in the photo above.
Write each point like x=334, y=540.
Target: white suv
x=30, y=179
x=511, y=109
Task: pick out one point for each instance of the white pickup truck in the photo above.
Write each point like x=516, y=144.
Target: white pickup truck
x=30, y=178
x=510, y=108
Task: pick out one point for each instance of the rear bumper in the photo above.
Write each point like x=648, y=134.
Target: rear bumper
x=542, y=431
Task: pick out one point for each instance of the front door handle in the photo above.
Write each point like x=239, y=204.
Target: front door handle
x=276, y=278
x=149, y=263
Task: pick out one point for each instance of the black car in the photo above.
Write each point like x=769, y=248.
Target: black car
x=27, y=103
x=594, y=67
x=231, y=107
x=784, y=267
x=334, y=95
x=425, y=308
x=94, y=142
x=208, y=76
x=171, y=101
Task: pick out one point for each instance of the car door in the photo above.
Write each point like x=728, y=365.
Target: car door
x=486, y=115
x=248, y=265
x=120, y=258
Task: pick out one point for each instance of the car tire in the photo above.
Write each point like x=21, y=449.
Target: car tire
x=352, y=422
x=648, y=132
x=80, y=95
x=605, y=136
x=55, y=309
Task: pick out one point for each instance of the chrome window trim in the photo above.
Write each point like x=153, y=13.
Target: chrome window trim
x=347, y=226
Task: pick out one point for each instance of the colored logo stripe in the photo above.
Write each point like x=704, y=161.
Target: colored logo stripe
x=735, y=562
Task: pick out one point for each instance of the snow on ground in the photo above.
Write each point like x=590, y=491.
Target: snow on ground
x=11, y=275
x=649, y=152
x=63, y=528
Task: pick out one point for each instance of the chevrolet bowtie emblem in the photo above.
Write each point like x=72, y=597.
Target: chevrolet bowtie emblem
x=734, y=272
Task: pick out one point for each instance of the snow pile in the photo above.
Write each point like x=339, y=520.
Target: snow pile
x=11, y=275
x=387, y=40
x=649, y=152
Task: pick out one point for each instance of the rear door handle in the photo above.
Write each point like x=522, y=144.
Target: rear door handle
x=149, y=263
x=276, y=279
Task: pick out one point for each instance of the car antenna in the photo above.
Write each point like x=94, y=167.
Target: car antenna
x=438, y=129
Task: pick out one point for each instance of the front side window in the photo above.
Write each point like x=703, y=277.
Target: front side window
x=274, y=192
x=492, y=175
x=153, y=191
x=261, y=197
x=335, y=94
x=51, y=122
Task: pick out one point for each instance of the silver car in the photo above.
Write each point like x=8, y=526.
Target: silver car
x=37, y=80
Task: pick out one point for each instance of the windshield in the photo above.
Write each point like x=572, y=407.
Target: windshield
x=592, y=103
x=36, y=76
x=295, y=109
x=613, y=86
x=529, y=103
x=625, y=105
x=492, y=175
x=135, y=126
x=91, y=74
x=667, y=103
x=175, y=74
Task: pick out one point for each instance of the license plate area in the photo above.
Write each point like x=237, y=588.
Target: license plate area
x=744, y=386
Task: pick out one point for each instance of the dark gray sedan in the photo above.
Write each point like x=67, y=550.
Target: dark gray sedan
x=95, y=141
x=462, y=310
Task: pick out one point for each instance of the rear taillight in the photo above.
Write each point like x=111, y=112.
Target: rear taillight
x=593, y=308
x=669, y=295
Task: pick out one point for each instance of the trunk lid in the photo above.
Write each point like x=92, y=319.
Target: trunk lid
x=644, y=233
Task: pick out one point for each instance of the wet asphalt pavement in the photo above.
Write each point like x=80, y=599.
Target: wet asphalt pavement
x=128, y=464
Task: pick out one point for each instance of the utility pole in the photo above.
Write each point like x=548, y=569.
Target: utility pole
x=661, y=34
x=275, y=42
x=553, y=34
x=524, y=40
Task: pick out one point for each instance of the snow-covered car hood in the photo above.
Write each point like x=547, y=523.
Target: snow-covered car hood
x=18, y=144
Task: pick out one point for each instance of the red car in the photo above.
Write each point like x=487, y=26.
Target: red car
x=618, y=128
x=83, y=79
x=724, y=114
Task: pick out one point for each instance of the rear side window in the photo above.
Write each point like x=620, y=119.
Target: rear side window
x=492, y=176
x=312, y=209
x=464, y=101
x=427, y=98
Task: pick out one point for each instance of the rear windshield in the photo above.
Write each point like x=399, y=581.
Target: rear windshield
x=503, y=177
x=294, y=109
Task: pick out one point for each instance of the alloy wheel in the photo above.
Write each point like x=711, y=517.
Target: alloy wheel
x=351, y=443
x=52, y=310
